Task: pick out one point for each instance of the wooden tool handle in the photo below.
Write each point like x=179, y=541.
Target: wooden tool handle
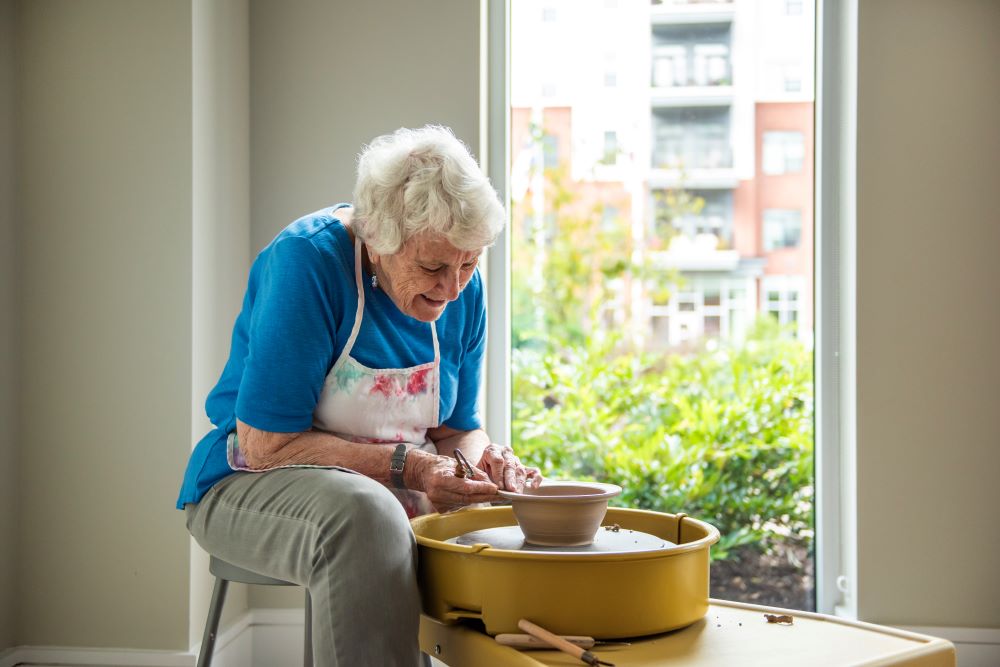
x=515, y=640
x=551, y=639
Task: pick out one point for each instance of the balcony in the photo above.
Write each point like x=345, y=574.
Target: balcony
x=691, y=96
x=700, y=253
x=674, y=12
x=692, y=153
x=692, y=65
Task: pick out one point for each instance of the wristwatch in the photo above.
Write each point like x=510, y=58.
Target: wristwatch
x=396, y=466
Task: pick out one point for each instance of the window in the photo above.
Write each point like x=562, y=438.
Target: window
x=692, y=212
x=782, y=228
x=691, y=54
x=793, y=83
x=610, y=69
x=692, y=138
x=609, y=216
x=782, y=298
x=659, y=272
x=784, y=153
x=669, y=66
x=610, y=154
x=550, y=152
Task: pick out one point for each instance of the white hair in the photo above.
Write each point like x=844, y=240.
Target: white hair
x=412, y=181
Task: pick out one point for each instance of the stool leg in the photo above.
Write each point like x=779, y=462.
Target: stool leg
x=308, y=660
x=212, y=622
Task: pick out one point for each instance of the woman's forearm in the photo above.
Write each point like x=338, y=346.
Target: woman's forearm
x=472, y=443
x=264, y=450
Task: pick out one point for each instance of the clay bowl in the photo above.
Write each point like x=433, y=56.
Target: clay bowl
x=561, y=514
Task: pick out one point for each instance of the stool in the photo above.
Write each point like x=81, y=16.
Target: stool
x=224, y=573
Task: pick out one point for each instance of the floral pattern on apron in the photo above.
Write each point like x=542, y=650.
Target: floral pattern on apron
x=374, y=405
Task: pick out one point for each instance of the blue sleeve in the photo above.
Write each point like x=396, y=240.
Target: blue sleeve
x=465, y=416
x=291, y=339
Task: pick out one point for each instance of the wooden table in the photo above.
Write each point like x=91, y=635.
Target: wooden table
x=730, y=634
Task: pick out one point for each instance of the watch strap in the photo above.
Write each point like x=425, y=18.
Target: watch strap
x=396, y=466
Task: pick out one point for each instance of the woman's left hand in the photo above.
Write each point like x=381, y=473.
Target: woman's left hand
x=506, y=470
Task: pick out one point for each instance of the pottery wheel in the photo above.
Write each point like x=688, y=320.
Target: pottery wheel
x=605, y=541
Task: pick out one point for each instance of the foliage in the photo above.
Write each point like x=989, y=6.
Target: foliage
x=563, y=277
x=724, y=434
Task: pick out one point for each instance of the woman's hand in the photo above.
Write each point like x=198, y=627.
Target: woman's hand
x=506, y=470
x=435, y=476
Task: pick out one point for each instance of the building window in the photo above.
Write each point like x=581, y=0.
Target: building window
x=609, y=218
x=692, y=55
x=610, y=153
x=782, y=228
x=792, y=79
x=669, y=66
x=784, y=153
x=782, y=297
x=693, y=212
x=793, y=7
x=692, y=138
x=610, y=69
x=550, y=151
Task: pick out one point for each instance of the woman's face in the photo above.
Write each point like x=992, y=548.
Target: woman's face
x=425, y=275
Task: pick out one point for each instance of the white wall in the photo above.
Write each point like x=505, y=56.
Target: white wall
x=327, y=76
x=8, y=328
x=134, y=225
x=105, y=321
x=220, y=231
x=929, y=312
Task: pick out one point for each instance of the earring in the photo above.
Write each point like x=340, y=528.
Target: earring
x=374, y=281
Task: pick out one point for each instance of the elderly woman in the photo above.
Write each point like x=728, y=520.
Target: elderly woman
x=353, y=375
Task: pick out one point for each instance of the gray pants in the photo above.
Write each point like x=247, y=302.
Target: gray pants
x=344, y=536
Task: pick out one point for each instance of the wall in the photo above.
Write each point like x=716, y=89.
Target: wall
x=326, y=77
x=105, y=321
x=135, y=239
x=220, y=224
x=928, y=234
x=8, y=327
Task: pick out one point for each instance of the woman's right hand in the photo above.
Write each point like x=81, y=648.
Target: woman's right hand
x=435, y=476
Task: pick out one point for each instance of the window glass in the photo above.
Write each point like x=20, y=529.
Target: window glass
x=661, y=290
x=784, y=152
x=782, y=228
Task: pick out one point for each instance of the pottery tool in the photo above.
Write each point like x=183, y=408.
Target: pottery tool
x=463, y=469
x=525, y=641
x=558, y=642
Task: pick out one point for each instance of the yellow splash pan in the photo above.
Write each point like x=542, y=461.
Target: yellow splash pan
x=603, y=595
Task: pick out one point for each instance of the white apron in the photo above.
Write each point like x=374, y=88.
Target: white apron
x=374, y=405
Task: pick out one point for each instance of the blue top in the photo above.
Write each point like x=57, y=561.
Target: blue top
x=297, y=315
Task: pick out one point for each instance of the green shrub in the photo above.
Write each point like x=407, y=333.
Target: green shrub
x=724, y=434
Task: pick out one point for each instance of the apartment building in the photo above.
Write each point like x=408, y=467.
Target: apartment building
x=693, y=121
